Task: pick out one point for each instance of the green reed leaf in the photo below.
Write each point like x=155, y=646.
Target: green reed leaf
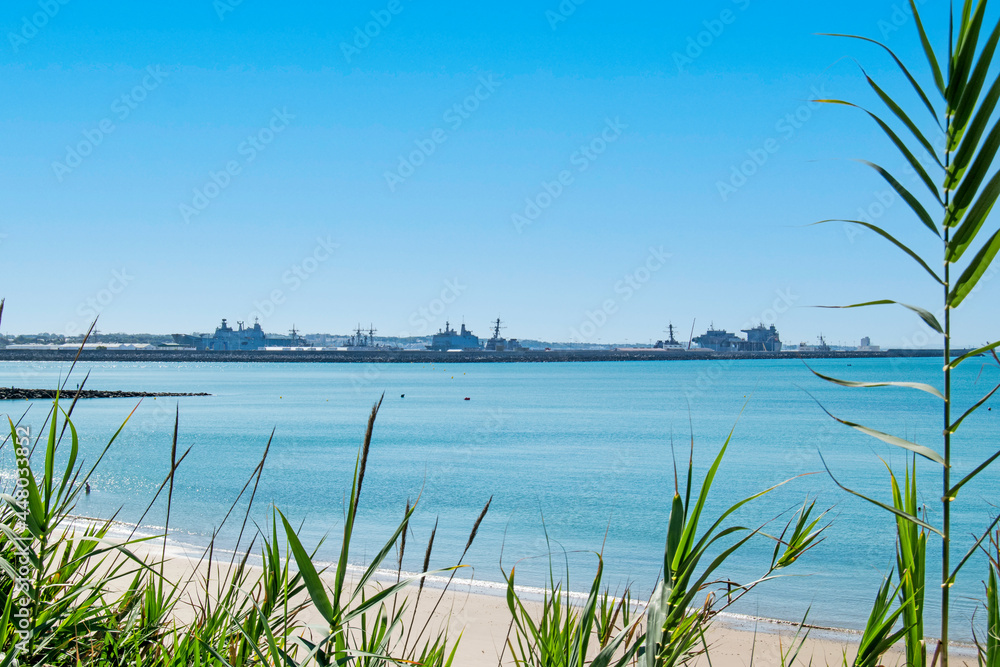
x=973, y=180
x=928, y=50
x=901, y=115
x=967, y=231
x=974, y=88
x=924, y=314
x=953, y=491
x=917, y=166
x=923, y=451
x=888, y=508
x=886, y=235
x=907, y=196
x=979, y=404
x=974, y=272
x=971, y=551
x=974, y=353
x=958, y=81
x=933, y=391
x=962, y=158
x=902, y=67
x=315, y=586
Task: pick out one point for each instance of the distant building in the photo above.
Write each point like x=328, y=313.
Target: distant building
x=866, y=345
x=449, y=339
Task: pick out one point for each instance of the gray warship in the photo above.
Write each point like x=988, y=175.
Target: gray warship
x=226, y=338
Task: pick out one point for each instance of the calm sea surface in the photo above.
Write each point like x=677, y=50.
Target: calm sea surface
x=582, y=451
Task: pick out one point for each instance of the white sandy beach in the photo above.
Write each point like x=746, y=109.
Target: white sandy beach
x=484, y=621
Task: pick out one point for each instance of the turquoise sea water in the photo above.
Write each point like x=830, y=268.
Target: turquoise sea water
x=580, y=450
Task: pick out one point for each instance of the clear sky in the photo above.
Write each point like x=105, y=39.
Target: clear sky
x=170, y=164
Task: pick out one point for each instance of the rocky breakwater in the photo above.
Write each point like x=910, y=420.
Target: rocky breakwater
x=15, y=394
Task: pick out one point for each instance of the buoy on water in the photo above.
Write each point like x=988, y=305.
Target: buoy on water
x=467, y=398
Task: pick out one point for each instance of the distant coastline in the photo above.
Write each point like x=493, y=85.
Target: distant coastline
x=431, y=356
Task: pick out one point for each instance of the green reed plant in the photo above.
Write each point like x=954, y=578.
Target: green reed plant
x=85, y=599
x=683, y=604
x=880, y=634
x=957, y=143
x=563, y=635
x=675, y=624
x=911, y=563
x=55, y=574
x=361, y=626
x=611, y=611
x=989, y=650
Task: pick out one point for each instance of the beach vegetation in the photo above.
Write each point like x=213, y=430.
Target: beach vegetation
x=948, y=142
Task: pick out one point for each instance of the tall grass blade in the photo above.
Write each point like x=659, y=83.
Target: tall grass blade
x=974, y=272
x=881, y=232
x=899, y=63
x=923, y=451
x=900, y=145
x=928, y=50
x=904, y=515
x=933, y=391
x=924, y=314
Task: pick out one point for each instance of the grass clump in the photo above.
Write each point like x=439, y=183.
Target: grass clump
x=72, y=596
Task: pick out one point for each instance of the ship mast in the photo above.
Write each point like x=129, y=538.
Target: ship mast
x=670, y=330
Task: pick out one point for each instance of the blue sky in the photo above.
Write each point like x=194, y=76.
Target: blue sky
x=169, y=164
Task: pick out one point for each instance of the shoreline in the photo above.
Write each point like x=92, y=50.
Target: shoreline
x=729, y=629
x=429, y=356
